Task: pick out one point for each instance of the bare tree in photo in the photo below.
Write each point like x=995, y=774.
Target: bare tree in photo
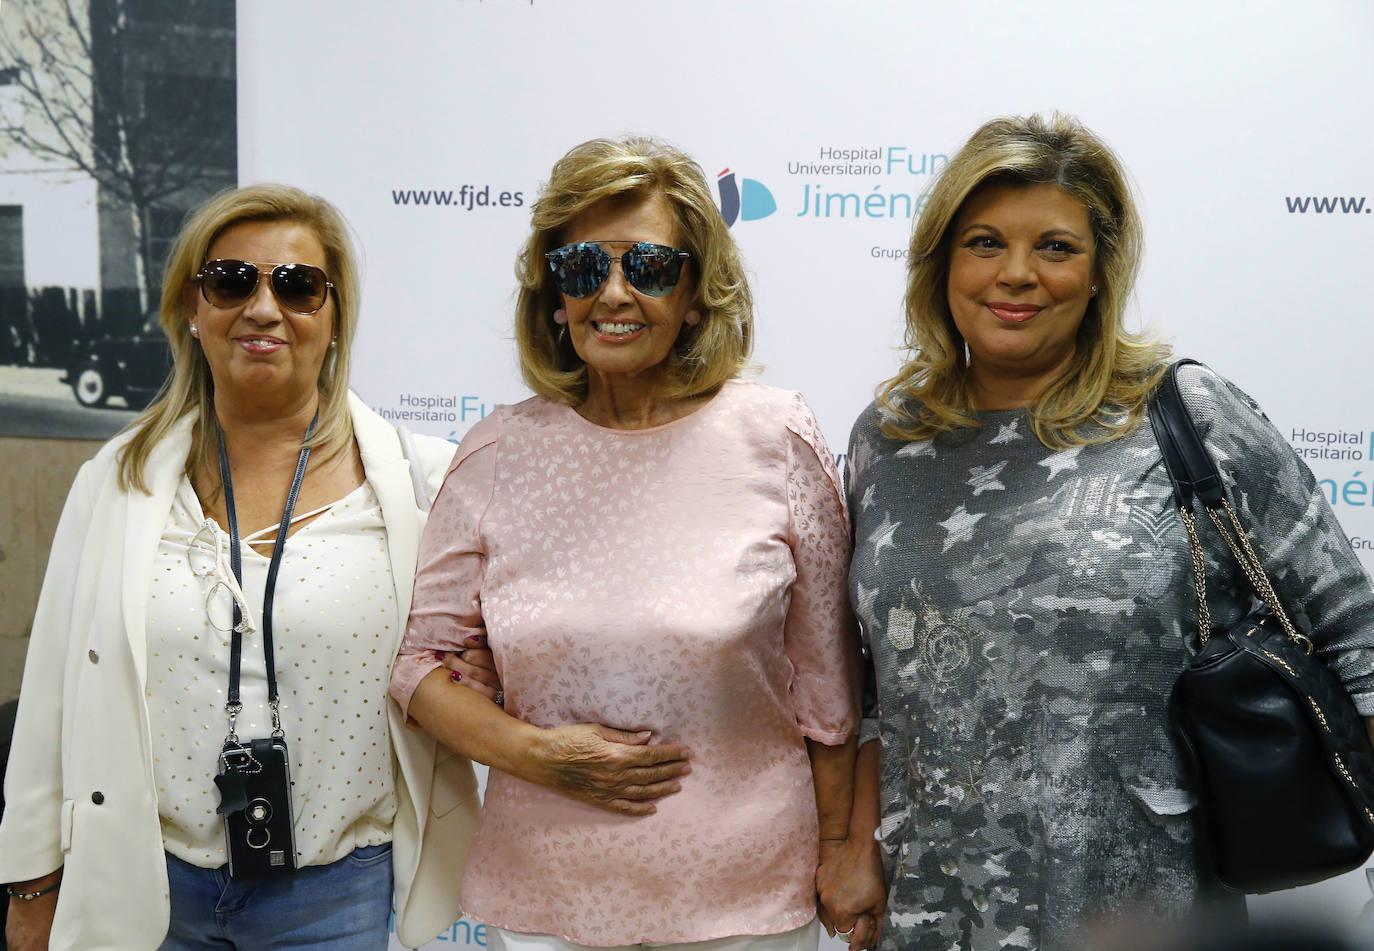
x=83, y=106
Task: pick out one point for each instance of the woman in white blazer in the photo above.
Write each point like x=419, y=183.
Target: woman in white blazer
x=109, y=838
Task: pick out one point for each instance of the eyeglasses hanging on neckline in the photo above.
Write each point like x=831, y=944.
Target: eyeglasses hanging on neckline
x=208, y=556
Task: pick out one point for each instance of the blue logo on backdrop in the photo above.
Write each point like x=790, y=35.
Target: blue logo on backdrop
x=1345, y=457
x=873, y=182
x=469, y=934
x=747, y=199
x=1316, y=446
x=413, y=410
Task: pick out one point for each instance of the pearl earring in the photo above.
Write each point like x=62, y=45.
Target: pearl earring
x=560, y=316
x=692, y=319
x=194, y=332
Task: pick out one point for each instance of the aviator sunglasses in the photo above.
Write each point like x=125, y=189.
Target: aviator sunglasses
x=301, y=288
x=652, y=269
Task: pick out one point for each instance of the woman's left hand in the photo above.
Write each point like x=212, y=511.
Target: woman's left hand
x=473, y=666
x=867, y=930
x=850, y=890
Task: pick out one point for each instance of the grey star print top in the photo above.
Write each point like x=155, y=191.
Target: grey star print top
x=1027, y=612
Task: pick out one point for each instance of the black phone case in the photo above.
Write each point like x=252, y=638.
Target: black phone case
x=263, y=846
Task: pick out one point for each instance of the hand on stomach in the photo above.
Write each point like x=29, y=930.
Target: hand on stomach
x=612, y=769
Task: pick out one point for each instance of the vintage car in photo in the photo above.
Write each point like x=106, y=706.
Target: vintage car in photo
x=114, y=365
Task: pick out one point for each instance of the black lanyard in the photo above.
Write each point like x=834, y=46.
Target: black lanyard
x=232, y=704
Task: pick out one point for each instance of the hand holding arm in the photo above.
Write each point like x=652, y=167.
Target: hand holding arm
x=473, y=666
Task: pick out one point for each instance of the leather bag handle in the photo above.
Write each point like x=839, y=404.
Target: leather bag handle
x=1194, y=475
x=1190, y=465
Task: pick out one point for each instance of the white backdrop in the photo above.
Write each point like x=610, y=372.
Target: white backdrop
x=1232, y=117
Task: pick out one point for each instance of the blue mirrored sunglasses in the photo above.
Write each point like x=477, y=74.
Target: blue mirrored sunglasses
x=652, y=269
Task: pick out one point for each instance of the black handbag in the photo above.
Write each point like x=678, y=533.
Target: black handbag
x=1280, y=758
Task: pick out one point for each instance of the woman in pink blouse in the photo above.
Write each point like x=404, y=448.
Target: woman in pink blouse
x=656, y=552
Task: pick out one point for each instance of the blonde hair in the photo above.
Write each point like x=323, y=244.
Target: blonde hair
x=1103, y=394
x=189, y=389
x=705, y=356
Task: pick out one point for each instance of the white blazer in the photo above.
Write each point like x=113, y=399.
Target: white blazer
x=79, y=788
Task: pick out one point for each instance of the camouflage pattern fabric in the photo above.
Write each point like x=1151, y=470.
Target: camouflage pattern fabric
x=1027, y=612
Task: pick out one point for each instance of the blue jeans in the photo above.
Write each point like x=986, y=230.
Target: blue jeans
x=344, y=906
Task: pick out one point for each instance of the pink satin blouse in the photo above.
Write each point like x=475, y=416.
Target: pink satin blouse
x=687, y=579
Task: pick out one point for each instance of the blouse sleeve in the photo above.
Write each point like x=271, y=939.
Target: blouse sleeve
x=853, y=479
x=819, y=636
x=1317, y=576
x=446, y=607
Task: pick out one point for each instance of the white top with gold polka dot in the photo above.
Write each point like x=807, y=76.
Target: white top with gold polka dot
x=335, y=608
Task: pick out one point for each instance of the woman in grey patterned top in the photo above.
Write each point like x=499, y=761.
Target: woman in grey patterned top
x=1023, y=580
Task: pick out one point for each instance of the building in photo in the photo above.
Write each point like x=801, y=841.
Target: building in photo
x=116, y=118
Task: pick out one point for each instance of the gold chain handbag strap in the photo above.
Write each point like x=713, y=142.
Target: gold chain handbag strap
x=1194, y=474
x=1239, y=544
x=1254, y=570
x=1204, y=615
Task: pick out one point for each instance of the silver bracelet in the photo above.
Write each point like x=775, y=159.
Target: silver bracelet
x=30, y=896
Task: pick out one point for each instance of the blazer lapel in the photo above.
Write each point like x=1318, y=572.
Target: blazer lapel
x=388, y=473
x=144, y=520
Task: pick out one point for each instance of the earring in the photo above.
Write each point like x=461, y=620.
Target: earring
x=1092, y=292
x=194, y=332
x=692, y=319
x=334, y=342
x=560, y=316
